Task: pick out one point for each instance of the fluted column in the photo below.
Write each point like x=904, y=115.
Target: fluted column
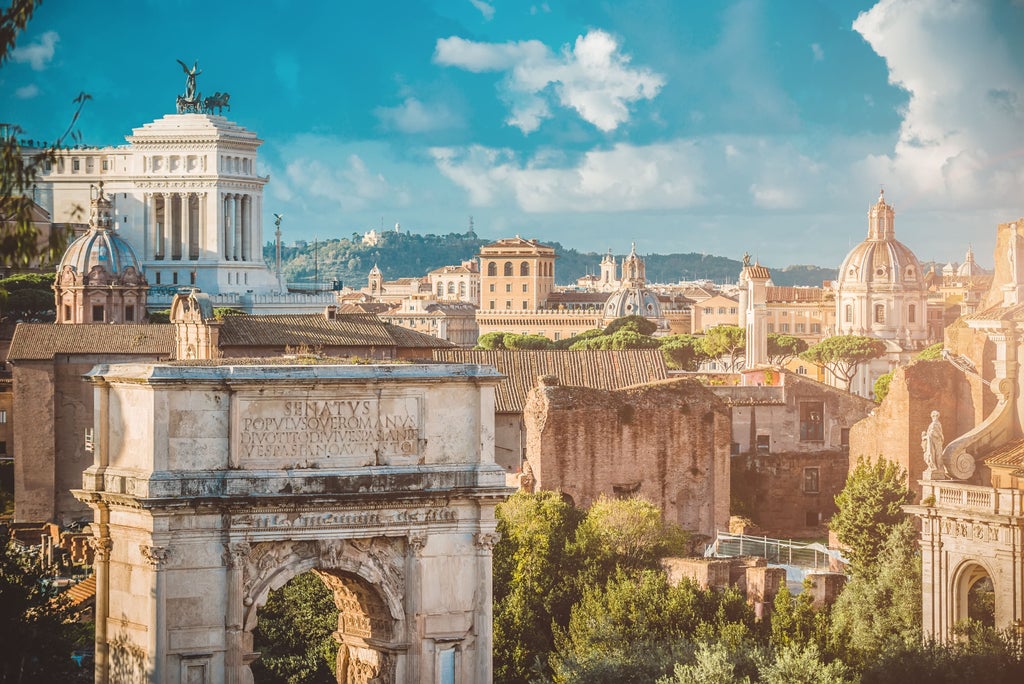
x=246, y=228
x=150, y=222
x=236, y=247
x=157, y=556
x=165, y=236
x=226, y=216
x=186, y=226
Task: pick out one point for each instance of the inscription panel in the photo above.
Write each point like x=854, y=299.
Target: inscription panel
x=283, y=432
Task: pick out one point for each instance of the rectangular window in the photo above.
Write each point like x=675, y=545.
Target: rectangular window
x=67, y=313
x=799, y=327
x=784, y=327
x=810, y=481
x=158, y=277
x=526, y=287
x=764, y=443
x=912, y=314
x=508, y=303
x=492, y=287
x=816, y=328
x=525, y=304
x=812, y=518
x=844, y=439
x=771, y=327
x=812, y=427
x=492, y=304
x=174, y=278
x=129, y=313
x=879, y=313
x=558, y=336
x=508, y=287
x=721, y=310
x=97, y=313
x=3, y=416
x=75, y=165
x=732, y=309
x=3, y=448
x=708, y=310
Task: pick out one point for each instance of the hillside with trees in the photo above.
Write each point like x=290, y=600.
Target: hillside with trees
x=404, y=255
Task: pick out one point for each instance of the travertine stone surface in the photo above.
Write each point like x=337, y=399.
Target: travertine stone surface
x=214, y=485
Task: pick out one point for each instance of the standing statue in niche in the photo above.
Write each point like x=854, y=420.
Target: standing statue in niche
x=932, y=442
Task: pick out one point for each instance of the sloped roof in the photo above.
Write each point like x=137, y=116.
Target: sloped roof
x=37, y=341
x=598, y=369
x=345, y=330
x=82, y=592
x=1009, y=455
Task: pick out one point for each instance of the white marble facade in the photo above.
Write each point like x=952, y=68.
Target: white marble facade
x=213, y=485
x=186, y=195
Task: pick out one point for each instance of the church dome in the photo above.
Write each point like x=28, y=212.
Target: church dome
x=881, y=259
x=101, y=246
x=632, y=301
x=633, y=298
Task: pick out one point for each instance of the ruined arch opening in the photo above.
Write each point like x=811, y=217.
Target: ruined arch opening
x=974, y=597
x=356, y=588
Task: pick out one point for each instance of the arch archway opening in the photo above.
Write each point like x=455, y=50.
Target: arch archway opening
x=974, y=597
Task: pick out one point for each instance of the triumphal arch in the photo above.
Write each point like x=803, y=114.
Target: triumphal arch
x=213, y=485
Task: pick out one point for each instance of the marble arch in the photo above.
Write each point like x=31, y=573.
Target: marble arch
x=213, y=485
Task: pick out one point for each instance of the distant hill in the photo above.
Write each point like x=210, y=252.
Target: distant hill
x=407, y=255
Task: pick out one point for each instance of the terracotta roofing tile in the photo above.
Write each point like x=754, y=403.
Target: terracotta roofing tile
x=998, y=313
x=83, y=591
x=757, y=271
x=37, y=341
x=404, y=337
x=598, y=369
x=1009, y=454
x=345, y=330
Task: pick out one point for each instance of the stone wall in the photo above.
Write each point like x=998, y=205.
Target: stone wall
x=667, y=442
x=35, y=459
x=782, y=497
x=894, y=430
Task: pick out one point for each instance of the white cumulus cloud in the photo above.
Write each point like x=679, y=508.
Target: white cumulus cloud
x=27, y=92
x=38, y=54
x=966, y=105
x=593, y=77
x=415, y=116
x=485, y=8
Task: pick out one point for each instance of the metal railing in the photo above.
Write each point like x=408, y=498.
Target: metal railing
x=775, y=551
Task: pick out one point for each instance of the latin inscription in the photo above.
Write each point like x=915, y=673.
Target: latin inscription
x=318, y=429
x=345, y=519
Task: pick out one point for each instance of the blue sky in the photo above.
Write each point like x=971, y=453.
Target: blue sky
x=765, y=126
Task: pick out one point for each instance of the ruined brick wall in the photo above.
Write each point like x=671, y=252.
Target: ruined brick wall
x=34, y=446
x=782, y=498
x=667, y=442
x=894, y=431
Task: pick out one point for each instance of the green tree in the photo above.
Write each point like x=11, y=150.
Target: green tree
x=881, y=388
x=294, y=634
x=567, y=342
x=932, y=353
x=40, y=632
x=842, y=355
x=513, y=341
x=794, y=622
x=627, y=533
x=221, y=311
x=161, y=316
x=682, y=352
x=27, y=297
x=804, y=665
x=726, y=344
x=784, y=348
x=19, y=240
x=869, y=507
x=492, y=340
x=879, y=611
x=623, y=338
x=714, y=663
x=637, y=324
x=533, y=587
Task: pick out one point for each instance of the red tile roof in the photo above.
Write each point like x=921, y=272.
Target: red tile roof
x=37, y=341
x=598, y=369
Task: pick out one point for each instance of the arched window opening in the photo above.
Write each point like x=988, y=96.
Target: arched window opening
x=492, y=269
x=508, y=268
x=524, y=269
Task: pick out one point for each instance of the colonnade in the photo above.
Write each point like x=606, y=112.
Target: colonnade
x=177, y=226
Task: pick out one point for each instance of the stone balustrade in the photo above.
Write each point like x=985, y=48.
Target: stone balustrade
x=973, y=498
